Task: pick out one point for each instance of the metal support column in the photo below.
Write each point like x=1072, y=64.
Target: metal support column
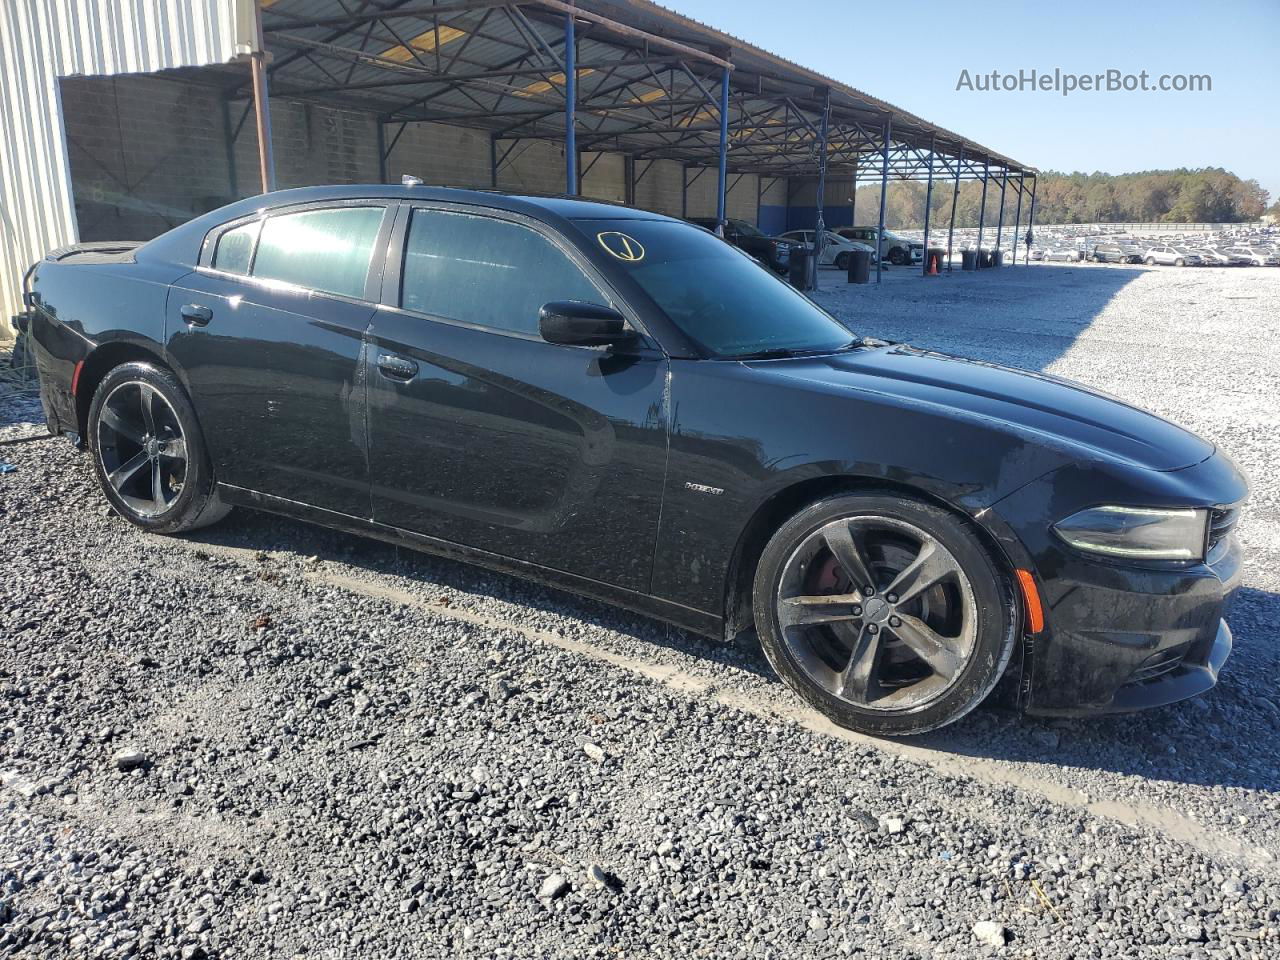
x=1017, y=222
x=928, y=200
x=382, y=150
x=853, y=198
x=723, y=185
x=820, y=222
x=1031, y=217
x=884, y=185
x=262, y=108
x=955, y=200
x=1004, y=182
x=684, y=192
x=982, y=210
x=570, y=107
x=493, y=161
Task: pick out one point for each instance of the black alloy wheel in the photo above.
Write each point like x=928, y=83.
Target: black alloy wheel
x=884, y=612
x=149, y=452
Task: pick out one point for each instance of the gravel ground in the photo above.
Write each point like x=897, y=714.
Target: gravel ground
x=270, y=740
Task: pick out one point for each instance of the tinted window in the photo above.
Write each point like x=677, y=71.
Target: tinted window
x=713, y=292
x=325, y=250
x=235, y=248
x=487, y=271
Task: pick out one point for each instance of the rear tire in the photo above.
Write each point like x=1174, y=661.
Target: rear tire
x=918, y=647
x=149, y=453
x=1151, y=261
x=842, y=261
x=1179, y=262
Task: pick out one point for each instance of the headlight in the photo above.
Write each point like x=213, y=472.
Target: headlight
x=1140, y=533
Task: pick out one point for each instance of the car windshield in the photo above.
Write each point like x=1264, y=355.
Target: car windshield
x=716, y=294
x=746, y=229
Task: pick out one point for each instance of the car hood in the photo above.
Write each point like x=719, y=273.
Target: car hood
x=1061, y=412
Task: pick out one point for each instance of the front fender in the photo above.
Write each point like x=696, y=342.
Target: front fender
x=740, y=443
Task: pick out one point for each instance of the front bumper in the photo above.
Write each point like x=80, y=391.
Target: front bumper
x=1121, y=636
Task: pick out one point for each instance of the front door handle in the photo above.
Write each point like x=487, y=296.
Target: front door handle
x=196, y=315
x=397, y=368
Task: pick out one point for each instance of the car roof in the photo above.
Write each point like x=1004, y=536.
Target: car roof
x=571, y=208
x=181, y=244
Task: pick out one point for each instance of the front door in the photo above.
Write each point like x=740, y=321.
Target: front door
x=270, y=334
x=483, y=434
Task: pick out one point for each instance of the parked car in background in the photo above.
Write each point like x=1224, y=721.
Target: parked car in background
x=774, y=252
x=1115, y=253
x=614, y=403
x=898, y=250
x=1212, y=258
x=1225, y=257
x=1170, y=257
x=1257, y=256
x=836, y=250
x=1068, y=254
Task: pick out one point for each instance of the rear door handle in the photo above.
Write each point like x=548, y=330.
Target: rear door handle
x=397, y=368
x=196, y=315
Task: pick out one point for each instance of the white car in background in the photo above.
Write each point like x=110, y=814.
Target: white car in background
x=837, y=251
x=1171, y=257
x=1258, y=256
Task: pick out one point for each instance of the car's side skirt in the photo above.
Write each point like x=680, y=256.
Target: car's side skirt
x=697, y=621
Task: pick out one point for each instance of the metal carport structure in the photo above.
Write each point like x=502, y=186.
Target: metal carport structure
x=622, y=76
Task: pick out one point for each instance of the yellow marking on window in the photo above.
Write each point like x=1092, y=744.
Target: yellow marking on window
x=553, y=81
x=649, y=97
x=424, y=42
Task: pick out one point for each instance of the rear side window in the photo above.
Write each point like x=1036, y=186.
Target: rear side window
x=326, y=250
x=490, y=272
x=235, y=248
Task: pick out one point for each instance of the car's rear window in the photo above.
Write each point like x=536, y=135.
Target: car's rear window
x=327, y=250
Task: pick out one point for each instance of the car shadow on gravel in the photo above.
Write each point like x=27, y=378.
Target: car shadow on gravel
x=1224, y=738
x=1025, y=316
x=251, y=530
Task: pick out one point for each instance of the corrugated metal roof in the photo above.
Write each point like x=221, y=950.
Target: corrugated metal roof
x=368, y=58
x=45, y=39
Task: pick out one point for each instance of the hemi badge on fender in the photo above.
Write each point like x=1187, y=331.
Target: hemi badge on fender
x=703, y=488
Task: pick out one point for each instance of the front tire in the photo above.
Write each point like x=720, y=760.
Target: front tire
x=149, y=452
x=897, y=257
x=884, y=612
x=842, y=261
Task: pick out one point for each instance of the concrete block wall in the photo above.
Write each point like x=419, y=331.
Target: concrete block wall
x=146, y=154
x=149, y=152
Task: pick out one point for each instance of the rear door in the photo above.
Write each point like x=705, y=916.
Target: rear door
x=269, y=333
x=483, y=434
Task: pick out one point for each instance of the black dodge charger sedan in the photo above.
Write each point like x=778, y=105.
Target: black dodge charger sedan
x=621, y=405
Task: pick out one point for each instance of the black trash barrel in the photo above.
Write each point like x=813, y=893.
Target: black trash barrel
x=997, y=258
x=860, y=266
x=968, y=259
x=798, y=270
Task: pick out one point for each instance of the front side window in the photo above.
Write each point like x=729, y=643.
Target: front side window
x=717, y=295
x=326, y=250
x=486, y=271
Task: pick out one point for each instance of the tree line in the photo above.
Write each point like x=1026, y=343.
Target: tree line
x=1210, y=195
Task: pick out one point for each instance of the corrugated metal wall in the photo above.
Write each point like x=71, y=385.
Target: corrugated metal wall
x=41, y=40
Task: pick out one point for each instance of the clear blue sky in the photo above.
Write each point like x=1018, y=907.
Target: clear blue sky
x=890, y=51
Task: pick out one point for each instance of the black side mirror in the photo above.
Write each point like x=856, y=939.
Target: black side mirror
x=581, y=324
